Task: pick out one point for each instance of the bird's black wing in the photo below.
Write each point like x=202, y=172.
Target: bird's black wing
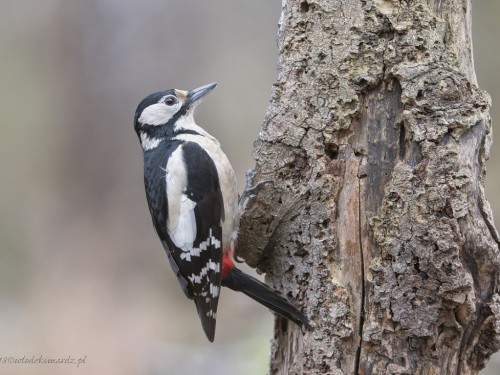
x=194, y=244
x=203, y=188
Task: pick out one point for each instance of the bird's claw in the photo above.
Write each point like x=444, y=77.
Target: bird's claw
x=250, y=190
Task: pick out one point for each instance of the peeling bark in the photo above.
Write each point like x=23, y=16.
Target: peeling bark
x=373, y=218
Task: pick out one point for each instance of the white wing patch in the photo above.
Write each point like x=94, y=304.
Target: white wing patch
x=185, y=233
x=181, y=224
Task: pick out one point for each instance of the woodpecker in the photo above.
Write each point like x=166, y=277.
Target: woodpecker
x=193, y=200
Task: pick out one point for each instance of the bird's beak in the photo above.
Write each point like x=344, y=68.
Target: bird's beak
x=196, y=94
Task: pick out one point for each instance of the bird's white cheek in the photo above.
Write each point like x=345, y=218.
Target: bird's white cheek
x=157, y=114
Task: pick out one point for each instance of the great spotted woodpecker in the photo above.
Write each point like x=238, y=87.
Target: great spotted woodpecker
x=193, y=200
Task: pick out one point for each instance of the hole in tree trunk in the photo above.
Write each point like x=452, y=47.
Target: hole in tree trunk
x=332, y=151
x=304, y=7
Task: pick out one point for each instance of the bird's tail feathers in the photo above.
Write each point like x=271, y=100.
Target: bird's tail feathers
x=265, y=295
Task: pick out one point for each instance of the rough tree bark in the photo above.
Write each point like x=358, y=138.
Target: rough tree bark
x=373, y=218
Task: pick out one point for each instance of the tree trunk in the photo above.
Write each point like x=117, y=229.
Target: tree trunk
x=372, y=217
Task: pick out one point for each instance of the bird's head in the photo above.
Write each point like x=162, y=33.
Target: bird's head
x=158, y=113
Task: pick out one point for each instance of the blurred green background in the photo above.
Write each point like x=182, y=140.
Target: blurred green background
x=81, y=270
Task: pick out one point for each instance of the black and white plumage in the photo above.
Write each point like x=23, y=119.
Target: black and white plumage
x=193, y=200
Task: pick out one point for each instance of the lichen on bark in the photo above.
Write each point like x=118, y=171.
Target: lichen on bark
x=372, y=216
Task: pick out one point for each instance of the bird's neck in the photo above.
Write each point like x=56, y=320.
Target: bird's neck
x=153, y=135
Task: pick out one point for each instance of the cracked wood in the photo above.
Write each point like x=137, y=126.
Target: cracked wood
x=375, y=221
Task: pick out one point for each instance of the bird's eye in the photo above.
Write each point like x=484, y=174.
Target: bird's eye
x=170, y=100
